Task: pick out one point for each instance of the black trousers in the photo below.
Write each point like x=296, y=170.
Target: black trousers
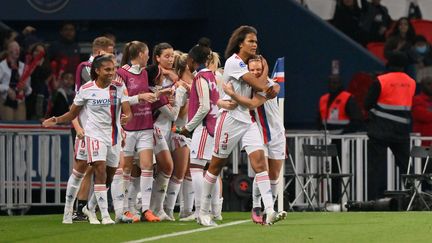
x=377, y=163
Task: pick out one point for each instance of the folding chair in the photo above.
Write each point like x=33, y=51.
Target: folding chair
x=415, y=180
x=292, y=175
x=321, y=153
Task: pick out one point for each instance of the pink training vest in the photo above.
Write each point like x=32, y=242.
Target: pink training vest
x=210, y=119
x=78, y=79
x=142, y=112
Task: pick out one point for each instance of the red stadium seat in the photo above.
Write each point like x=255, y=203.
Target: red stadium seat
x=423, y=27
x=377, y=48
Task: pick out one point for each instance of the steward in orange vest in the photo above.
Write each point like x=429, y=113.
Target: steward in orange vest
x=338, y=109
x=389, y=102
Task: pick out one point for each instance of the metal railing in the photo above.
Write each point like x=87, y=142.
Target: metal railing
x=34, y=166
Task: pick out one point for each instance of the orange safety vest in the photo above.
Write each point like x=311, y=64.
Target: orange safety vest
x=397, y=91
x=335, y=114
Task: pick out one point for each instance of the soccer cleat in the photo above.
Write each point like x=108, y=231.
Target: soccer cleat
x=149, y=216
x=257, y=216
x=187, y=217
x=67, y=216
x=107, y=220
x=274, y=217
x=79, y=217
x=206, y=220
x=164, y=217
x=123, y=219
x=170, y=214
x=217, y=210
x=132, y=216
x=91, y=215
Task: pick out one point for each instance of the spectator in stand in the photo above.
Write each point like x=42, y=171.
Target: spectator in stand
x=375, y=21
x=347, y=19
x=37, y=102
x=422, y=110
x=421, y=53
x=13, y=87
x=66, y=51
x=62, y=98
x=400, y=41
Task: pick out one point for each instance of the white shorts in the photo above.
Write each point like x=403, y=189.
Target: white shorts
x=99, y=151
x=160, y=140
x=276, y=148
x=80, y=149
x=136, y=141
x=202, y=144
x=229, y=132
x=179, y=141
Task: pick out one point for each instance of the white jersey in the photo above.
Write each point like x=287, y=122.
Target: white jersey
x=103, y=110
x=234, y=69
x=268, y=117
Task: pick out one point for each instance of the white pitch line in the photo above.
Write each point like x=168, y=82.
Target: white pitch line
x=187, y=232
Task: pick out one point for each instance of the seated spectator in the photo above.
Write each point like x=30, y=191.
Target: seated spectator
x=38, y=100
x=421, y=53
x=66, y=51
x=13, y=87
x=400, y=41
x=347, y=19
x=375, y=20
x=422, y=110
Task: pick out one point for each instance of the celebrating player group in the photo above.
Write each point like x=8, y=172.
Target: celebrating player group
x=147, y=132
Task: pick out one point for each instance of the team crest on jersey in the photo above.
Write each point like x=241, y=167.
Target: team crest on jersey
x=95, y=153
x=242, y=64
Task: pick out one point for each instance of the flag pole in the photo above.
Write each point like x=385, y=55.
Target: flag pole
x=279, y=74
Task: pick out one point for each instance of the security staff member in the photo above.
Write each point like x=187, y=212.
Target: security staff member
x=388, y=101
x=338, y=111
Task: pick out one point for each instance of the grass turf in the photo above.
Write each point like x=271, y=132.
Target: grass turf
x=298, y=227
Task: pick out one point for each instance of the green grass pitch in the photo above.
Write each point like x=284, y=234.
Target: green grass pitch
x=298, y=227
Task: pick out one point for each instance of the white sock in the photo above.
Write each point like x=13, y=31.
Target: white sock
x=126, y=183
x=207, y=189
x=197, y=182
x=72, y=189
x=263, y=182
x=146, y=186
x=117, y=192
x=100, y=192
x=274, y=185
x=256, y=195
x=188, y=194
x=92, y=203
x=134, y=188
x=172, y=193
x=160, y=185
x=216, y=197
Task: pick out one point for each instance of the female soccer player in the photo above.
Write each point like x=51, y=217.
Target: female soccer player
x=107, y=107
x=273, y=131
x=237, y=125
x=139, y=131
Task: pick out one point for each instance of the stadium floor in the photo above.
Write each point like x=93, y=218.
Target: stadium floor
x=298, y=227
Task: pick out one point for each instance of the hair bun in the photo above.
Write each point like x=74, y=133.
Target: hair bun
x=204, y=42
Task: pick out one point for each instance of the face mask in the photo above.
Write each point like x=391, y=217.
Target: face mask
x=421, y=49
